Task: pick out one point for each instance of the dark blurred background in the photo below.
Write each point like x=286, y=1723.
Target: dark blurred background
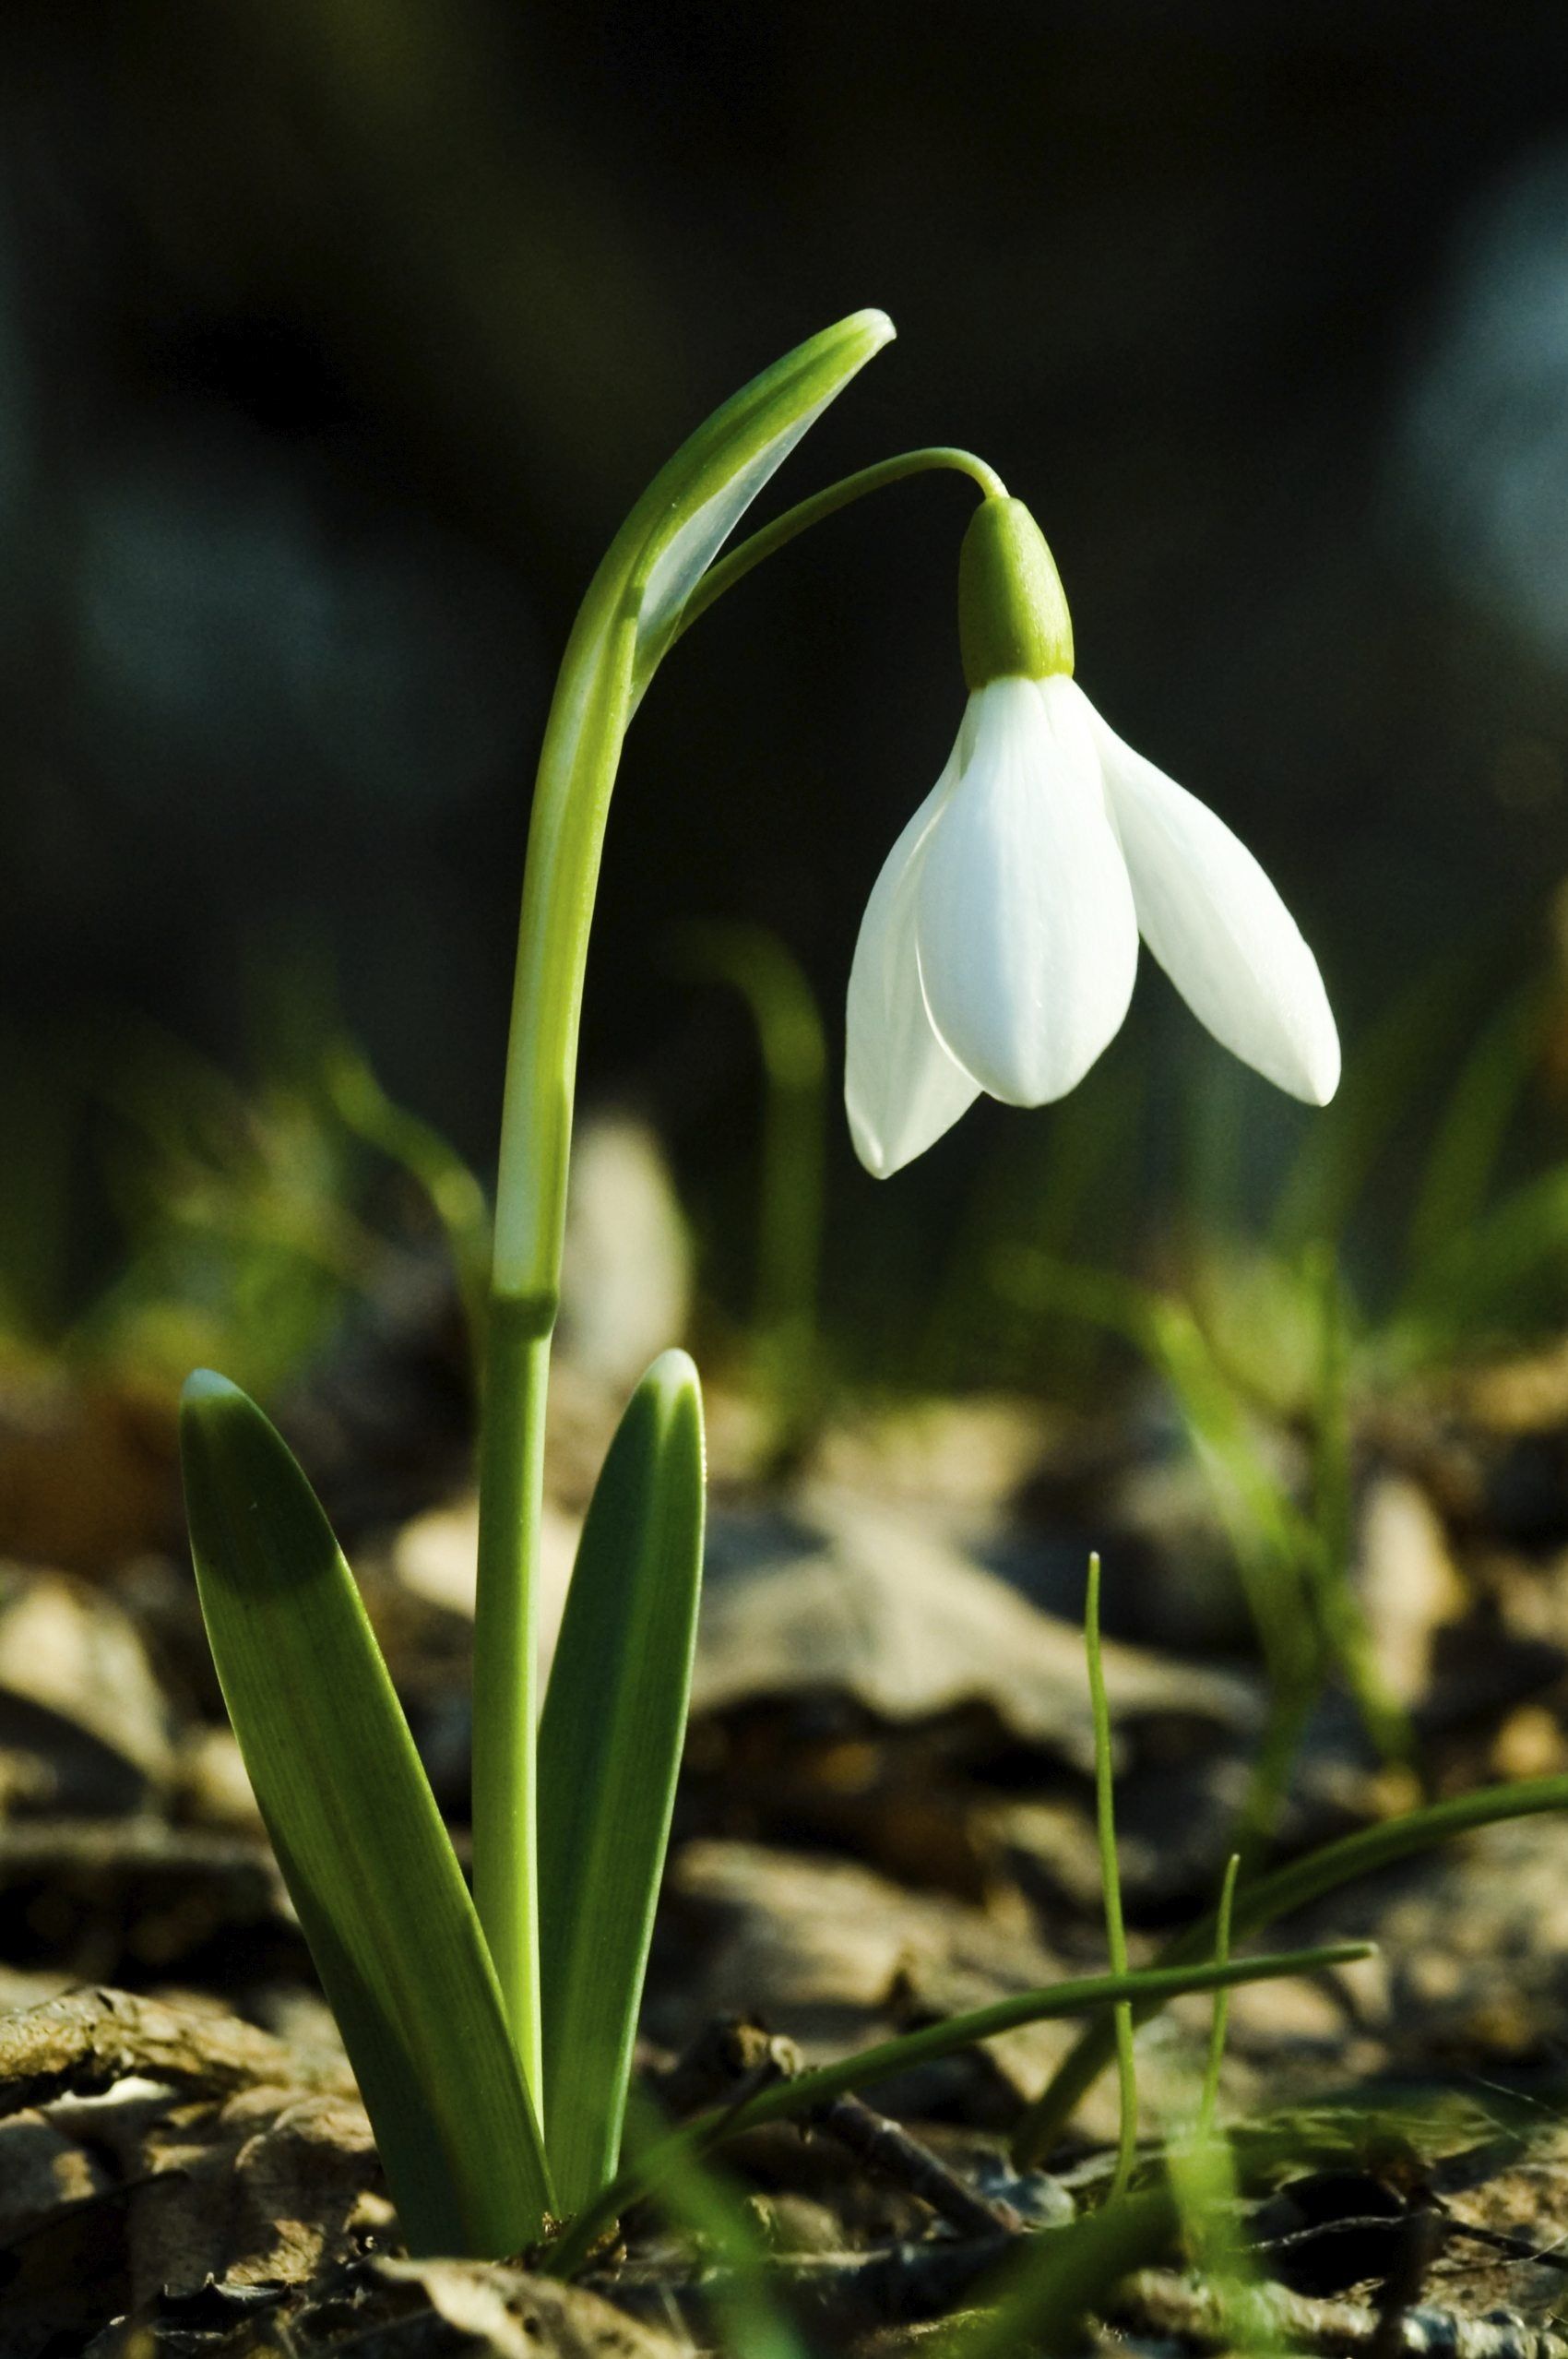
x=337, y=337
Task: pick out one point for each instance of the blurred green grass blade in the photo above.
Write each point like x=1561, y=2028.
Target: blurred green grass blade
x=454, y=1195
x=1504, y=1275
x=1392, y=1063
x=610, y=1750
x=1038, y=2302
x=1110, y=1885
x=1208, y=2099
x=1276, y=1895
x=1328, y=1537
x=790, y=1035
x=1260, y=1519
x=707, y=2206
x=367, y=1861
x=1149, y=1987
x=1466, y=1148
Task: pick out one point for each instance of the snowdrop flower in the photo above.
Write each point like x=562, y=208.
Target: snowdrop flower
x=999, y=946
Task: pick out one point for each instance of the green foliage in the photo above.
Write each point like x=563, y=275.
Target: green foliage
x=1111, y=1884
x=1065, y=1184
x=1038, y=2302
x=1208, y=2099
x=361, y=1845
x=1293, y=1561
x=701, y=2201
x=247, y=1214
x=452, y=1193
x=240, y=1209
x=697, y=498
x=609, y=1754
x=786, y=1354
x=1093, y=1994
x=1278, y=1894
x=1482, y=1258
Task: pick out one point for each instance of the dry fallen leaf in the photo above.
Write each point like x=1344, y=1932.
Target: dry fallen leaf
x=843, y=1594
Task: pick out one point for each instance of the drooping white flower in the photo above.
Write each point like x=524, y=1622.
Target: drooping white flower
x=997, y=948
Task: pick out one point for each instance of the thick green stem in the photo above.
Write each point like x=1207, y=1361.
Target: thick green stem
x=613, y=647
x=511, y=1489
x=582, y=752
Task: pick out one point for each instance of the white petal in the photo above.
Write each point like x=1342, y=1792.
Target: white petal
x=1028, y=941
x=1218, y=928
x=901, y=1089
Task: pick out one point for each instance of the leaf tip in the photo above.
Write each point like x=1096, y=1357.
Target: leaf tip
x=205, y=1388
x=215, y=1417
x=874, y=326
x=674, y=1371
x=671, y=1392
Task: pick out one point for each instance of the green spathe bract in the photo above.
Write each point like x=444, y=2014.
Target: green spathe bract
x=609, y=1752
x=361, y=1845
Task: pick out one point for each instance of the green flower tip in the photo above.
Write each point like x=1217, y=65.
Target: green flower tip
x=1012, y=618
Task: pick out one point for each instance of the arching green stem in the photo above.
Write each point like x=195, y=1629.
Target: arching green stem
x=582, y=752
x=657, y=574
x=795, y=520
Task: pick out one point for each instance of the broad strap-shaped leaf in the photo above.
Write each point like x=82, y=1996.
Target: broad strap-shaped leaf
x=610, y=1750
x=368, y=1860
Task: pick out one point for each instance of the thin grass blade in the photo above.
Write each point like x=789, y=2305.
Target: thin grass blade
x=1092, y=1995
x=708, y=2208
x=1276, y=1895
x=610, y=1751
x=1111, y=1884
x=361, y=1845
x=1208, y=2101
x=1038, y=2302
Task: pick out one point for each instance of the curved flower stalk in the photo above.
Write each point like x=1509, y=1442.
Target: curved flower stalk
x=1000, y=944
x=632, y=614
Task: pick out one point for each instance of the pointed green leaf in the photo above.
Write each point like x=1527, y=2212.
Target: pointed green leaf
x=368, y=1860
x=610, y=1751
